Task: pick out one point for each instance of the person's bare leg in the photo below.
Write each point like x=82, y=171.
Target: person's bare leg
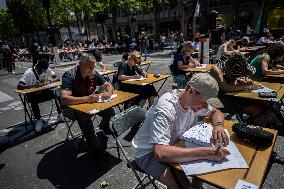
x=167, y=179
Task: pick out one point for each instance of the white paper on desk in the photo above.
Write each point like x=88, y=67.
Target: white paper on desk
x=265, y=89
x=50, y=85
x=245, y=185
x=202, y=66
x=140, y=79
x=107, y=100
x=234, y=160
x=94, y=111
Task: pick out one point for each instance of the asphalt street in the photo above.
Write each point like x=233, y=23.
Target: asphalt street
x=48, y=161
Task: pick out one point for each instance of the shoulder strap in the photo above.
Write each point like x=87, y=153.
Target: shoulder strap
x=36, y=75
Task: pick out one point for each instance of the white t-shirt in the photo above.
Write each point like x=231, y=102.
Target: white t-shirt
x=165, y=122
x=29, y=77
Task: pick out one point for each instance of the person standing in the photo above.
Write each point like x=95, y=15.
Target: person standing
x=7, y=56
x=144, y=44
x=163, y=41
x=34, y=50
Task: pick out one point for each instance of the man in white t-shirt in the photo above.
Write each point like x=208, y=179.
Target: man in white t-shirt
x=169, y=117
x=38, y=76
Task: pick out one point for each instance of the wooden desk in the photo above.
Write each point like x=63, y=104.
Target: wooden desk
x=279, y=78
x=23, y=97
x=149, y=80
x=254, y=96
x=121, y=98
x=254, y=48
x=256, y=157
x=208, y=67
x=45, y=87
x=107, y=73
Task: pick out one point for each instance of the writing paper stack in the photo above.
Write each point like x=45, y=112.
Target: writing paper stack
x=199, y=136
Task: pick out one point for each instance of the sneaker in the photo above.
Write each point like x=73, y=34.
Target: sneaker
x=60, y=118
x=39, y=125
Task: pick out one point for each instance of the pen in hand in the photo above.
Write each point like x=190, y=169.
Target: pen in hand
x=218, y=145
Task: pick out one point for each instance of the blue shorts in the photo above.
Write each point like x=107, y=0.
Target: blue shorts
x=151, y=166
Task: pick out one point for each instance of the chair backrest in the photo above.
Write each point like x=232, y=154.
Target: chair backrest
x=127, y=119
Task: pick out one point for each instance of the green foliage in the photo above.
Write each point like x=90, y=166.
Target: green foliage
x=7, y=28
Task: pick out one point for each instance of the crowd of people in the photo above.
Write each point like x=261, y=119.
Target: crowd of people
x=169, y=115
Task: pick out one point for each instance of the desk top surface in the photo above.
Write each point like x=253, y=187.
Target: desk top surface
x=256, y=157
x=208, y=67
x=275, y=75
x=149, y=80
x=45, y=87
x=250, y=95
x=121, y=97
x=106, y=72
x=144, y=63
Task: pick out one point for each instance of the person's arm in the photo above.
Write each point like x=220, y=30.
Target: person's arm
x=182, y=66
x=122, y=73
x=225, y=86
x=108, y=88
x=174, y=154
x=266, y=71
x=22, y=85
x=218, y=132
x=67, y=98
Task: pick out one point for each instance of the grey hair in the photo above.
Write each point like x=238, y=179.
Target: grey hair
x=264, y=56
x=86, y=57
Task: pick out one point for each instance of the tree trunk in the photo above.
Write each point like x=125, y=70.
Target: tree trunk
x=114, y=16
x=157, y=18
x=69, y=31
x=78, y=23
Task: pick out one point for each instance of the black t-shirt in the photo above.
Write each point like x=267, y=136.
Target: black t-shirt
x=124, y=69
x=174, y=65
x=216, y=36
x=73, y=81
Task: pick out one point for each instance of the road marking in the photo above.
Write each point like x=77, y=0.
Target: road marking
x=4, y=97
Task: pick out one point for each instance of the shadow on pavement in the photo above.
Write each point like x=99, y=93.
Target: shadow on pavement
x=64, y=170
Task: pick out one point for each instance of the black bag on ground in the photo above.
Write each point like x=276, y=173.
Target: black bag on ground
x=253, y=134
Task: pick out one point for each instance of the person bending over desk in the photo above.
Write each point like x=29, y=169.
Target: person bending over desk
x=182, y=60
x=273, y=54
x=170, y=116
x=232, y=74
x=79, y=86
x=38, y=76
x=130, y=70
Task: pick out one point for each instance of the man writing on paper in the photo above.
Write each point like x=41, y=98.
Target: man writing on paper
x=38, y=76
x=79, y=86
x=170, y=116
x=130, y=70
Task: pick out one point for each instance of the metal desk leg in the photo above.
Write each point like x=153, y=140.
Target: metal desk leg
x=162, y=85
x=24, y=101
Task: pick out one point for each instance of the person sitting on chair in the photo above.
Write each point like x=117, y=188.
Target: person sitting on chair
x=98, y=57
x=38, y=76
x=130, y=70
x=269, y=62
x=79, y=86
x=232, y=74
x=182, y=60
x=170, y=116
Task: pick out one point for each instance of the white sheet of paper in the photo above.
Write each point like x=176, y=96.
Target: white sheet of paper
x=94, y=111
x=140, y=79
x=202, y=66
x=198, y=136
x=265, y=89
x=108, y=100
x=241, y=184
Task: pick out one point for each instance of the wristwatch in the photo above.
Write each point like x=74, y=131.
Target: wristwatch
x=216, y=123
